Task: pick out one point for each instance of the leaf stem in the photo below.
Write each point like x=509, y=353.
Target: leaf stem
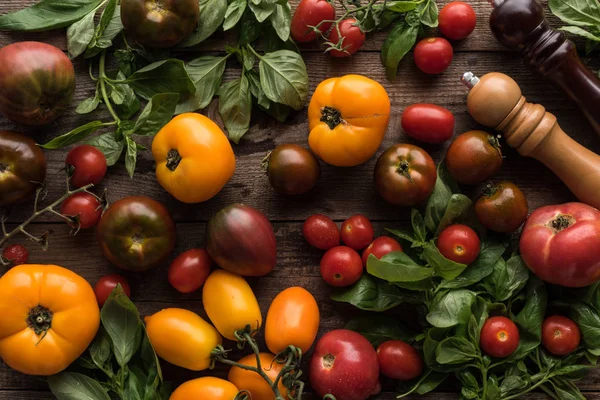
x=538, y=384
x=254, y=51
x=103, y=78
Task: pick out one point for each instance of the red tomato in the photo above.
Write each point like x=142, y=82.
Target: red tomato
x=341, y=266
x=560, y=335
x=88, y=163
x=106, y=284
x=433, y=55
x=428, y=123
x=357, y=232
x=399, y=360
x=189, y=270
x=380, y=247
x=459, y=243
x=321, y=232
x=353, y=38
x=16, y=254
x=85, y=206
x=499, y=337
x=457, y=20
x=311, y=13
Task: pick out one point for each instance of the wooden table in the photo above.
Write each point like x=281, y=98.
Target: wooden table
x=339, y=194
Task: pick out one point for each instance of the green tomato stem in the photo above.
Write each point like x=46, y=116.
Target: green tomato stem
x=103, y=78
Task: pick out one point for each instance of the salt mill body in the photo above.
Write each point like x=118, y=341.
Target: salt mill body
x=495, y=100
x=520, y=24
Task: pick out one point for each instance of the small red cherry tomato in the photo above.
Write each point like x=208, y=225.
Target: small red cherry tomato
x=428, y=123
x=459, y=243
x=321, y=232
x=560, y=335
x=84, y=206
x=380, y=247
x=499, y=337
x=353, y=38
x=341, y=266
x=311, y=13
x=106, y=285
x=357, y=232
x=189, y=270
x=88, y=164
x=457, y=20
x=399, y=360
x=433, y=55
x=16, y=254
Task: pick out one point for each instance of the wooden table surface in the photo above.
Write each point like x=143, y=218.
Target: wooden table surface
x=340, y=193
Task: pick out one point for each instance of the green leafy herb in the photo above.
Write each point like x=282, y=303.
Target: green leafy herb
x=167, y=76
x=453, y=308
x=212, y=15
x=443, y=267
x=455, y=350
x=234, y=13
x=109, y=146
x=507, y=278
x=74, y=136
x=397, y=44
x=284, y=78
x=207, y=73
x=438, y=201
x=158, y=112
x=80, y=34
x=378, y=329
x=397, y=267
x=47, y=15
x=235, y=106
x=74, y=386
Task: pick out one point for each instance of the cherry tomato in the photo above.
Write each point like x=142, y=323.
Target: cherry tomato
x=83, y=206
x=16, y=254
x=499, y=337
x=252, y=382
x=311, y=13
x=473, y=157
x=321, y=232
x=433, y=55
x=107, y=283
x=88, y=164
x=428, y=123
x=357, y=232
x=457, y=20
x=560, y=335
x=207, y=387
x=399, y=360
x=502, y=207
x=352, y=35
x=380, y=247
x=189, y=270
x=341, y=266
x=459, y=243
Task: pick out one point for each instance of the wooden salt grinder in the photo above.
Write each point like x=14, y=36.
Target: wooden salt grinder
x=495, y=100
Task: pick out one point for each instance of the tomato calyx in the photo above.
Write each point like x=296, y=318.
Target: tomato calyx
x=243, y=395
x=495, y=143
x=40, y=319
x=563, y=221
x=265, y=162
x=490, y=190
x=404, y=169
x=173, y=159
x=328, y=361
x=331, y=116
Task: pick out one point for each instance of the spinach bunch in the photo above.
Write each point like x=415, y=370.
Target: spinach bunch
x=582, y=17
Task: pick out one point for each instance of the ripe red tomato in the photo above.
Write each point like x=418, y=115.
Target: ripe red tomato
x=85, y=206
x=433, y=55
x=106, y=284
x=321, y=232
x=399, y=360
x=380, y=247
x=428, y=123
x=88, y=163
x=341, y=266
x=311, y=13
x=353, y=38
x=189, y=270
x=357, y=232
x=499, y=337
x=459, y=243
x=560, y=335
x=457, y=20
x=16, y=254
x=502, y=207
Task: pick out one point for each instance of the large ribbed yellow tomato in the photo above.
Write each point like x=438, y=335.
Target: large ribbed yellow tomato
x=48, y=317
x=208, y=387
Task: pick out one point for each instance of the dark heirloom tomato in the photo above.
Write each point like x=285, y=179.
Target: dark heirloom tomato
x=159, y=23
x=22, y=167
x=473, y=157
x=502, y=207
x=136, y=233
x=292, y=169
x=37, y=82
x=405, y=175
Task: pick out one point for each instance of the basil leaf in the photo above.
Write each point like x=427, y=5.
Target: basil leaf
x=581, y=32
x=284, y=78
x=257, y=91
x=88, y=105
x=74, y=136
x=418, y=225
x=130, y=155
x=430, y=382
x=281, y=20
x=80, y=34
x=234, y=13
x=262, y=9
x=74, y=386
x=149, y=355
x=443, y=267
x=397, y=44
x=455, y=350
x=109, y=146
x=278, y=111
x=235, y=107
x=250, y=28
x=460, y=211
x=167, y=76
x=401, y=6
x=100, y=349
x=453, y=308
x=47, y=15
x=577, y=12
x=397, y=267
x=378, y=329
x=507, y=278
x=588, y=321
x=437, y=204
x=212, y=14
x=157, y=113
x=530, y=318
x=109, y=27
x=428, y=11
x=125, y=102
x=206, y=73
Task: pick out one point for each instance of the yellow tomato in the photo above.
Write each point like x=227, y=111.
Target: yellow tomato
x=48, y=317
x=182, y=338
x=207, y=388
x=230, y=303
x=194, y=158
x=293, y=319
x=347, y=118
x=253, y=382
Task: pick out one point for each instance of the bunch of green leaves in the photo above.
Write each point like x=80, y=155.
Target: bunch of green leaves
x=120, y=361
x=582, y=18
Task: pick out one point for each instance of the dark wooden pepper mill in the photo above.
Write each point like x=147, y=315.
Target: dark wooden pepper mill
x=520, y=24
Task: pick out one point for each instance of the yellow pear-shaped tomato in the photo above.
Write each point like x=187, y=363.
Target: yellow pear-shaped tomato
x=293, y=319
x=208, y=388
x=182, y=338
x=48, y=317
x=230, y=303
x=252, y=382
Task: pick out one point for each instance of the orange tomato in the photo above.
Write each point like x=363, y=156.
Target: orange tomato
x=293, y=319
x=208, y=388
x=253, y=382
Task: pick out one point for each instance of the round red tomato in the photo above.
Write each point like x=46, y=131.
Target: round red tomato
x=433, y=55
x=473, y=157
x=399, y=360
x=106, y=284
x=499, y=337
x=189, y=270
x=83, y=207
x=502, y=207
x=457, y=20
x=321, y=232
x=459, y=243
x=352, y=35
x=311, y=13
x=357, y=232
x=16, y=254
x=87, y=165
x=380, y=247
x=560, y=335
x=428, y=123
x=341, y=266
